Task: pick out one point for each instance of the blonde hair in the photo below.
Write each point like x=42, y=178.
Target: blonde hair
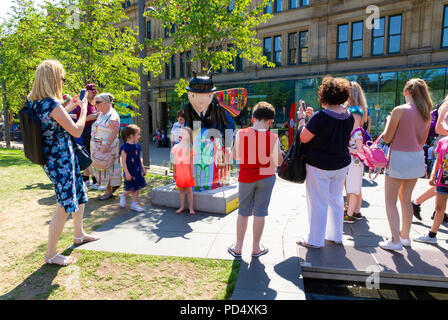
x=419, y=91
x=104, y=97
x=48, y=81
x=358, y=98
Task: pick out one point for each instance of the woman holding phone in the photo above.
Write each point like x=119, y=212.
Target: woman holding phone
x=327, y=158
x=62, y=165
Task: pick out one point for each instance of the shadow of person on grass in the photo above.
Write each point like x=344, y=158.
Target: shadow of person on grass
x=39, y=285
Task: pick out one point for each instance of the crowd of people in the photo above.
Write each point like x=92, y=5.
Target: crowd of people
x=333, y=138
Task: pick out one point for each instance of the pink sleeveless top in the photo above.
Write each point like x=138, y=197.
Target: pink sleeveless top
x=410, y=131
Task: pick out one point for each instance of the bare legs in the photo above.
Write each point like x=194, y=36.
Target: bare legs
x=189, y=193
x=354, y=203
x=441, y=200
x=428, y=194
x=241, y=227
x=57, y=225
x=394, y=189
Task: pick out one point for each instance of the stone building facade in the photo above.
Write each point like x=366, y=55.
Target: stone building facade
x=309, y=39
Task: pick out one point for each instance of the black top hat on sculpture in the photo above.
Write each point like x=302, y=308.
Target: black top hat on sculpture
x=201, y=84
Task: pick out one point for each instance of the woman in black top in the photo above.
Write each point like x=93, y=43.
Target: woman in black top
x=327, y=136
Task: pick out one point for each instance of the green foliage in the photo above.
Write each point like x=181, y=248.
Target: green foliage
x=201, y=26
x=84, y=35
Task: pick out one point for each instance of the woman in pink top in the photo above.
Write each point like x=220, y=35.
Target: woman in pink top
x=406, y=130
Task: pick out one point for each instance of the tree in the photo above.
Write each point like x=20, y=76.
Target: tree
x=88, y=41
x=23, y=46
x=84, y=35
x=202, y=24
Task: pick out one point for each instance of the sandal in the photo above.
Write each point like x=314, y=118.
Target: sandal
x=84, y=240
x=105, y=197
x=306, y=245
x=261, y=253
x=64, y=264
x=233, y=253
x=192, y=212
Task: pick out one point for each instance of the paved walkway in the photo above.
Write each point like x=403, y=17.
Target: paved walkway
x=160, y=231
x=278, y=275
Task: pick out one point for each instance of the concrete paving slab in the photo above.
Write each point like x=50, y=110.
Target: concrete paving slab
x=269, y=279
x=344, y=259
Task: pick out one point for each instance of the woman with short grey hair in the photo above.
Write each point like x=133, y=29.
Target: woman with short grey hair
x=105, y=140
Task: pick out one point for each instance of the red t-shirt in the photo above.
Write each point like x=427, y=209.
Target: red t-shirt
x=255, y=152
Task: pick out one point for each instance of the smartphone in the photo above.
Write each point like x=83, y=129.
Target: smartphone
x=303, y=105
x=82, y=94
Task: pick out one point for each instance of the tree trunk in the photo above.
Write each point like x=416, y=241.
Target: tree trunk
x=7, y=117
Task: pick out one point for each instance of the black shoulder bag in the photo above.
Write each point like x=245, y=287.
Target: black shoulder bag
x=293, y=167
x=81, y=153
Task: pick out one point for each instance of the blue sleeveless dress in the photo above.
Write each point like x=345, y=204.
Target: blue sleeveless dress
x=62, y=165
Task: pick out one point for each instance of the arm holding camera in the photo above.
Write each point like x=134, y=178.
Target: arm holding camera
x=65, y=121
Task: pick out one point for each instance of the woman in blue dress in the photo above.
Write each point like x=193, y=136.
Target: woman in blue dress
x=62, y=165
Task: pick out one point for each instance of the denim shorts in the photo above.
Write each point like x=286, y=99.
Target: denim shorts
x=254, y=198
x=443, y=190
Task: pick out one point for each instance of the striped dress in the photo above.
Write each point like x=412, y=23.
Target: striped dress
x=101, y=134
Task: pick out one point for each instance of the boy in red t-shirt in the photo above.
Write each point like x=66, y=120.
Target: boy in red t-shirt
x=259, y=153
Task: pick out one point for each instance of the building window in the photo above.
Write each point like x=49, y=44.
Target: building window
x=292, y=48
x=445, y=28
x=148, y=29
x=267, y=48
x=237, y=62
x=182, y=65
x=173, y=67
x=268, y=8
x=188, y=63
x=293, y=4
x=168, y=31
x=219, y=48
x=342, y=52
x=394, y=34
x=378, y=39
x=357, y=36
x=278, y=51
x=278, y=6
x=304, y=3
x=303, y=43
x=167, y=71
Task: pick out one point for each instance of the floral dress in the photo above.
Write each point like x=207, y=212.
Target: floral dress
x=62, y=165
x=134, y=165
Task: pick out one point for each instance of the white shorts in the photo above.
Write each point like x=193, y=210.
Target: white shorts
x=353, y=181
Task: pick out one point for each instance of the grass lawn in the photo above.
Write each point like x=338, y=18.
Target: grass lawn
x=27, y=204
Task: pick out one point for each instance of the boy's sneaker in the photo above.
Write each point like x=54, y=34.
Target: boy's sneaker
x=389, y=245
x=426, y=239
x=136, y=207
x=416, y=210
x=122, y=200
x=357, y=216
x=348, y=219
x=445, y=218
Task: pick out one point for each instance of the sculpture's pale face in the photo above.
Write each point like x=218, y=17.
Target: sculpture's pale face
x=200, y=101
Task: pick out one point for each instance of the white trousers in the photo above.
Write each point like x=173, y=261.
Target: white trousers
x=325, y=204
